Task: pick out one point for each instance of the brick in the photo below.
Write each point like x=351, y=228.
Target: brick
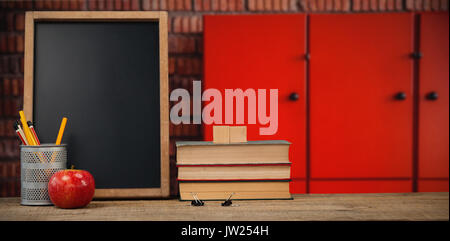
x=409, y=4
x=20, y=43
x=199, y=44
x=251, y=4
x=11, y=43
x=3, y=43
x=135, y=5
x=276, y=5
x=163, y=5
x=356, y=5
x=346, y=5
x=10, y=21
x=126, y=5
x=214, y=5
x=109, y=5
x=260, y=5
x=65, y=5
x=329, y=5
x=374, y=5
x=48, y=4
x=171, y=5
x=6, y=87
x=2, y=128
x=21, y=67
x=73, y=5
x=196, y=24
x=56, y=5
x=256, y=5
x=146, y=5
x=426, y=5
x=181, y=44
x=435, y=5
x=399, y=5
x=14, y=65
x=390, y=5
x=187, y=24
x=303, y=5
x=171, y=65
x=93, y=5
x=382, y=5
x=223, y=5
x=188, y=66
x=118, y=5
x=285, y=5
x=4, y=65
x=444, y=5
x=292, y=5
x=8, y=130
x=184, y=24
x=39, y=5
x=337, y=5
x=187, y=5
x=268, y=5
x=320, y=5
x=20, y=22
x=418, y=5
x=28, y=4
x=239, y=5
x=198, y=5
x=365, y=5
x=16, y=89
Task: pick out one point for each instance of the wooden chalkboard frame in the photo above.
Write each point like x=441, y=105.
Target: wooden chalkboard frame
x=159, y=16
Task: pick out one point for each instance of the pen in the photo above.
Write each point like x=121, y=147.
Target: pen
x=33, y=132
x=20, y=133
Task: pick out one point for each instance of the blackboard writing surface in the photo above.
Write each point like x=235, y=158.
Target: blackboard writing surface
x=104, y=76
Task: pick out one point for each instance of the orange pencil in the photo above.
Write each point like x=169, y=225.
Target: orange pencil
x=61, y=131
x=26, y=130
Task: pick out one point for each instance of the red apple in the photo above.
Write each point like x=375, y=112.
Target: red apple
x=71, y=188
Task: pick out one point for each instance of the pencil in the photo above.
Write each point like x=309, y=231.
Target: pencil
x=33, y=132
x=61, y=131
x=20, y=133
x=26, y=130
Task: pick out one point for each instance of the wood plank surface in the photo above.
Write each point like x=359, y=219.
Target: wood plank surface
x=407, y=206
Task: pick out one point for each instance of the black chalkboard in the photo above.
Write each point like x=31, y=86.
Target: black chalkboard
x=105, y=78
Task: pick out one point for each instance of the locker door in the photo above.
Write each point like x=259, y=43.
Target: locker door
x=361, y=103
x=262, y=52
x=434, y=103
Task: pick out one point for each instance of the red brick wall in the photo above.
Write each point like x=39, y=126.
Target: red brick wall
x=185, y=51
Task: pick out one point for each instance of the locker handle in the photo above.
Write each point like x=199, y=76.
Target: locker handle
x=432, y=96
x=294, y=96
x=400, y=96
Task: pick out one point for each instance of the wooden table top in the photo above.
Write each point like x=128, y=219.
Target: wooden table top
x=398, y=206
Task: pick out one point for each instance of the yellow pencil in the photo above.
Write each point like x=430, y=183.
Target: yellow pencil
x=61, y=131
x=26, y=130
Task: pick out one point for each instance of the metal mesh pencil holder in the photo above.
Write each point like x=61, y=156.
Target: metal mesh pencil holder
x=38, y=164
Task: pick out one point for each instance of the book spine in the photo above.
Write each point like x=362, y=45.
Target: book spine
x=235, y=180
x=233, y=165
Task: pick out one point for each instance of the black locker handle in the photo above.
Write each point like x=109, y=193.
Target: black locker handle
x=294, y=96
x=400, y=96
x=432, y=96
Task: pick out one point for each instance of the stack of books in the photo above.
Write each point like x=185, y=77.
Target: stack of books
x=248, y=170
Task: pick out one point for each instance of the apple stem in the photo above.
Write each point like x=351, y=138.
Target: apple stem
x=72, y=167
